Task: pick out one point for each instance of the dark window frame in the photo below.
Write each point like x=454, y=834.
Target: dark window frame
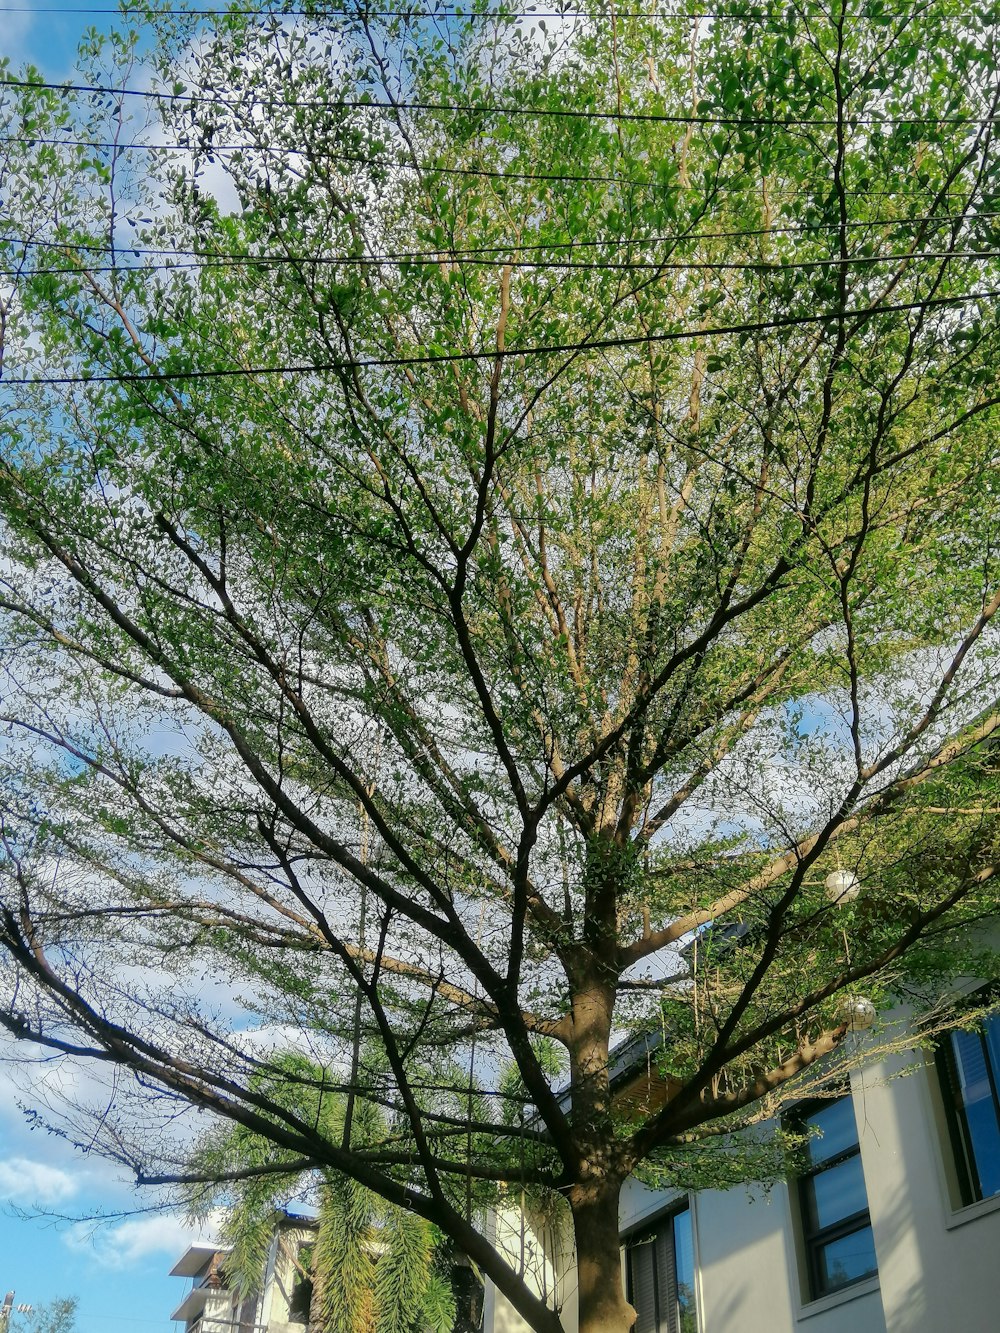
x=301, y=1293
x=967, y=1168
x=660, y=1236
x=816, y=1239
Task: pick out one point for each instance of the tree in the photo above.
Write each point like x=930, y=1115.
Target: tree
x=552, y=513
x=57, y=1316
x=372, y=1266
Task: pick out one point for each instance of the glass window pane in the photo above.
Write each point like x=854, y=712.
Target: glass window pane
x=982, y=1122
x=846, y=1260
x=666, y=1286
x=839, y=1130
x=991, y=1032
x=970, y=1061
x=687, y=1319
x=661, y=1280
x=981, y=1113
x=835, y=1194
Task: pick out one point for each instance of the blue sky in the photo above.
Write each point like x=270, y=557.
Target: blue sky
x=118, y=1272
x=47, y=34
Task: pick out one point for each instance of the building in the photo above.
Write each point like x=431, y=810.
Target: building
x=281, y=1305
x=893, y=1226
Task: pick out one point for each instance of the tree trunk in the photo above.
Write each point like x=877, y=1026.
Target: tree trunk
x=603, y=1307
x=593, y=1197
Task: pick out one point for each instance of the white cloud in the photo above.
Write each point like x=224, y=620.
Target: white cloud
x=130, y=1242
x=26, y=1182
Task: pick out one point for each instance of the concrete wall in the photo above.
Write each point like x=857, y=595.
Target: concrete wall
x=217, y=1316
x=279, y=1279
x=540, y=1252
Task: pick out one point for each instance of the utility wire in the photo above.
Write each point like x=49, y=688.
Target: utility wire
x=624, y=265
x=461, y=252
x=493, y=109
x=281, y=153
x=506, y=353
x=360, y=159
x=753, y=13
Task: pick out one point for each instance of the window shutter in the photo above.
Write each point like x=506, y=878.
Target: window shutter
x=971, y=1061
x=666, y=1273
x=642, y=1285
x=651, y=1274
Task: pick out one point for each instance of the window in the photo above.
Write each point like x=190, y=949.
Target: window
x=969, y=1067
x=833, y=1203
x=659, y=1266
x=300, y=1302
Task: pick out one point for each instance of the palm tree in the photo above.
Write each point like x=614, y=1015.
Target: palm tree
x=372, y=1267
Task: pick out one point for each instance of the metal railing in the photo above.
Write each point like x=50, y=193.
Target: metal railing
x=219, y=1324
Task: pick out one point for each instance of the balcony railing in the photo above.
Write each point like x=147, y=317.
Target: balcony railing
x=219, y=1324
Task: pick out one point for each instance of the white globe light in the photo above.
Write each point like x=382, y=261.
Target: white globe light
x=857, y=1012
x=842, y=886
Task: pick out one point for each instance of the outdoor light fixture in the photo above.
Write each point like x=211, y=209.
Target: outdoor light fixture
x=842, y=886
x=857, y=1012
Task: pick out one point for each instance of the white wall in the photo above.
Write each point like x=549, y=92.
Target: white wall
x=541, y=1252
x=939, y=1263
x=279, y=1279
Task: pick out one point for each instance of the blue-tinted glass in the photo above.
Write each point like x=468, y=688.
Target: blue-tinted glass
x=687, y=1320
x=836, y=1193
x=971, y=1051
x=839, y=1130
x=970, y=1060
x=991, y=1032
x=846, y=1260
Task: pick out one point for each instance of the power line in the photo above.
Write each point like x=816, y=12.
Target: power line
x=417, y=15
x=495, y=354
x=324, y=155
x=360, y=159
x=492, y=109
x=460, y=252
x=626, y=265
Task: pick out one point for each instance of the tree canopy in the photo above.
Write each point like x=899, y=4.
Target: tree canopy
x=56, y=1316
x=485, y=497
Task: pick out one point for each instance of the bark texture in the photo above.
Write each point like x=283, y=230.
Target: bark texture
x=603, y=1307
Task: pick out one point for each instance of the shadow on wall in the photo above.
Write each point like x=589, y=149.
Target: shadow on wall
x=729, y=1315
x=904, y=1303
x=541, y=1251
x=904, y=1195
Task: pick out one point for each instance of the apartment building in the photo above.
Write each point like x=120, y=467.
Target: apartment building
x=280, y=1305
x=893, y=1226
